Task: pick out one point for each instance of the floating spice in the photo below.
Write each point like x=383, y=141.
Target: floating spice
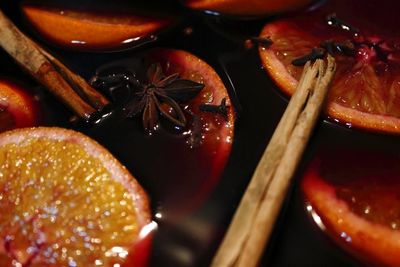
x=333, y=20
x=316, y=53
x=159, y=95
x=221, y=109
x=264, y=42
x=347, y=47
x=371, y=46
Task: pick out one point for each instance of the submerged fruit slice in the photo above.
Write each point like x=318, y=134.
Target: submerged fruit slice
x=215, y=131
x=355, y=196
x=18, y=108
x=91, y=31
x=190, y=159
x=366, y=88
x=247, y=8
x=67, y=201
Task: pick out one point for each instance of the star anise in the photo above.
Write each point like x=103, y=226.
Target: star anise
x=162, y=95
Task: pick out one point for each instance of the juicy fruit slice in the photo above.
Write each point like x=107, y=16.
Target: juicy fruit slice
x=66, y=201
x=355, y=195
x=91, y=31
x=189, y=159
x=247, y=8
x=216, y=131
x=365, y=92
x=18, y=107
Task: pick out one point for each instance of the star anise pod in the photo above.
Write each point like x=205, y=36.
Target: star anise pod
x=162, y=95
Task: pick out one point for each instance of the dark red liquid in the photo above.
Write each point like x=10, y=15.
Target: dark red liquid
x=163, y=165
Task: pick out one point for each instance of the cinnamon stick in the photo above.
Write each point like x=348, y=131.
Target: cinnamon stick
x=57, y=78
x=254, y=219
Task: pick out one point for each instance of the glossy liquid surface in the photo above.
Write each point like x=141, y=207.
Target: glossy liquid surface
x=191, y=240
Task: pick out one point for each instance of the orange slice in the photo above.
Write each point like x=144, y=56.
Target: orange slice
x=247, y=8
x=365, y=91
x=67, y=201
x=354, y=195
x=201, y=148
x=217, y=131
x=91, y=31
x=21, y=107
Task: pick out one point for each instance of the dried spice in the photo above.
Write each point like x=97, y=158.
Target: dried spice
x=264, y=42
x=119, y=83
x=159, y=95
x=333, y=20
x=221, y=109
x=316, y=53
x=347, y=47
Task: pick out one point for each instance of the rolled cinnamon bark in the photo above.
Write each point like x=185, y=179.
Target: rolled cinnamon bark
x=70, y=88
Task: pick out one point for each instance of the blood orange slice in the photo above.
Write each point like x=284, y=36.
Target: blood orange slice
x=217, y=131
x=365, y=91
x=89, y=30
x=247, y=8
x=18, y=108
x=355, y=197
x=201, y=147
x=67, y=201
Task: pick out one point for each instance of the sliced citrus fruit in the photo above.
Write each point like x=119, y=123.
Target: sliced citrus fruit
x=201, y=148
x=18, y=108
x=354, y=195
x=365, y=91
x=89, y=30
x=217, y=131
x=67, y=201
x=247, y=8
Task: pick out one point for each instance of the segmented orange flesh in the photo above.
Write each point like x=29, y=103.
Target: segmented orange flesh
x=61, y=207
x=370, y=87
x=365, y=92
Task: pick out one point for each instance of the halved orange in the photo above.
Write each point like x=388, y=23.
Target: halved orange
x=247, y=8
x=200, y=148
x=89, y=30
x=217, y=132
x=18, y=107
x=66, y=201
x=366, y=88
x=355, y=197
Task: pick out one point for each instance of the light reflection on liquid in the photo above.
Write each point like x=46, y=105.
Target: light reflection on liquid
x=315, y=217
x=318, y=221
x=147, y=229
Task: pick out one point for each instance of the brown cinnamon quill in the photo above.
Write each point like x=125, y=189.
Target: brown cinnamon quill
x=69, y=87
x=255, y=217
